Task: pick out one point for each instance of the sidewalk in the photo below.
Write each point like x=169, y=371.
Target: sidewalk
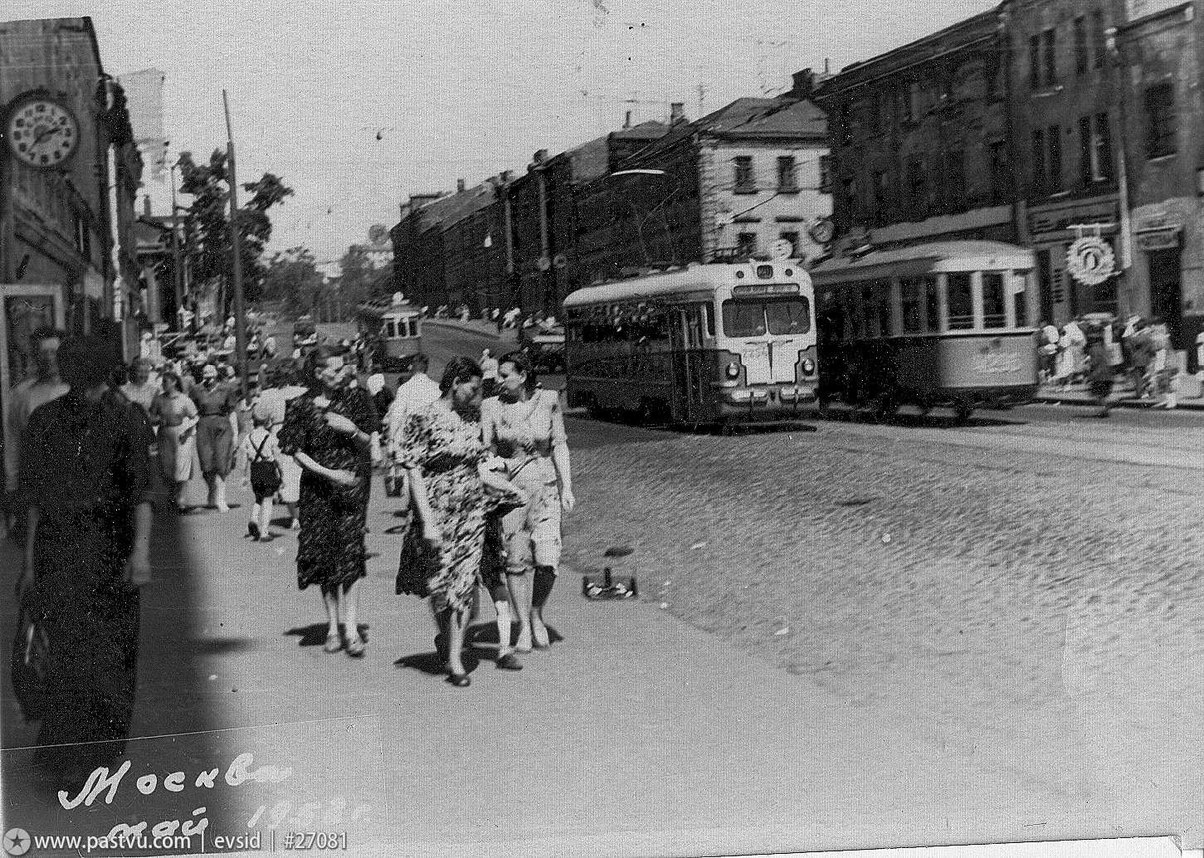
x=1188, y=396
x=635, y=735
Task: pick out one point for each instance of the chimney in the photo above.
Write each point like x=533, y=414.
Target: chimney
x=677, y=112
x=803, y=83
x=146, y=207
x=459, y=186
x=627, y=120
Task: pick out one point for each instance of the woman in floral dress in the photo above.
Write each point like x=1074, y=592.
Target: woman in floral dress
x=328, y=431
x=442, y=451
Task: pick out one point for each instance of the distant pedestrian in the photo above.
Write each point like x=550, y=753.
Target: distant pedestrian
x=215, y=402
x=1142, y=350
x=442, y=450
x=329, y=432
x=1048, y=350
x=261, y=457
x=176, y=416
x=1099, y=374
x=85, y=484
x=141, y=388
x=273, y=402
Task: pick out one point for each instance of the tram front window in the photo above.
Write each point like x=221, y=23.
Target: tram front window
x=780, y=317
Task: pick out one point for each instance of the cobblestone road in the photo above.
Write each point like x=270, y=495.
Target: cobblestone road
x=1036, y=610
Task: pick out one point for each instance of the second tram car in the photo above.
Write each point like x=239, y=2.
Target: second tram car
x=392, y=329
x=939, y=324
x=703, y=344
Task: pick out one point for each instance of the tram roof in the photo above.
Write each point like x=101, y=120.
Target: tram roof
x=934, y=258
x=696, y=277
x=385, y=306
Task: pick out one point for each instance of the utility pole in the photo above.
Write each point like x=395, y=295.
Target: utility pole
x=240, y=320
x=176, y=265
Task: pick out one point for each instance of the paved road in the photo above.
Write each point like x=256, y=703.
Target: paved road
x=1025, y=589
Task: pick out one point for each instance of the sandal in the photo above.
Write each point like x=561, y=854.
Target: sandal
x=355, y=646
x=334, y=643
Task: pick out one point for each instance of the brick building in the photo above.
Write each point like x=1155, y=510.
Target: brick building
x=730, y=182
x=919, y=139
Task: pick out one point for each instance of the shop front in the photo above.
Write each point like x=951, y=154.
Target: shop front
x=1077, y=277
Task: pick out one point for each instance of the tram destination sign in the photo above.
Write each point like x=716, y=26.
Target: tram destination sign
x=766, y=289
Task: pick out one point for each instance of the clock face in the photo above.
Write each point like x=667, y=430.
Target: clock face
x=41, y=132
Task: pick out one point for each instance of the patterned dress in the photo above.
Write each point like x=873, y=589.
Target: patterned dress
x=447, y=449
x=330, y=544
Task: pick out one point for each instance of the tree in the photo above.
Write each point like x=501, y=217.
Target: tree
x=206, y=224
x=292, y=277
x=355, y=275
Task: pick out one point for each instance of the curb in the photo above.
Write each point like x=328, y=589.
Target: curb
x=1054, y=399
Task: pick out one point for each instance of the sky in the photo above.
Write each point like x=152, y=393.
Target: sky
x=358, y=104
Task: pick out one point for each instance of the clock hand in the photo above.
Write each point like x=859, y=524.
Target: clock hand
x=47, y=133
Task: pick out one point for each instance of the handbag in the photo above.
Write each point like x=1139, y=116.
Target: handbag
x=30, y=665
x=418, y=564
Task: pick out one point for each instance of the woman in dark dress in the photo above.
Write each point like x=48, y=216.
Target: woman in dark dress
x=328, y=431
x=86, y=484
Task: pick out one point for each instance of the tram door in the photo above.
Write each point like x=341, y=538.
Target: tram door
x=685, y=336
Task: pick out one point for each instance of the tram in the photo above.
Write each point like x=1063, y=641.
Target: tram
x=939, y=324
x=392, y=330
x=702, y=344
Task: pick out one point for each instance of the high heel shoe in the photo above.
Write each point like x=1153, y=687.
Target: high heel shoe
x=460, y=680
x=539, y=634
x=333, y=642
x=355, y=646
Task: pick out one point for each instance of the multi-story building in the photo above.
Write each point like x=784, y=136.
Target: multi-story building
x=1065, y=121
x=730, y=182
x=919, y=140
x=1161, y=53
x=59, y=221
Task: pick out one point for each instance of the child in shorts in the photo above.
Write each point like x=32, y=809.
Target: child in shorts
x=261, y=457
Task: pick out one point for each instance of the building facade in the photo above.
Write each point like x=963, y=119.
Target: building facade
x=67, y=246
x=1161, y=51
x=919, y=139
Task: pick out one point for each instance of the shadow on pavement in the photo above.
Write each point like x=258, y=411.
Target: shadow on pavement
x=315, y=633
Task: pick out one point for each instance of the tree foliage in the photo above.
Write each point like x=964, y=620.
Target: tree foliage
x=355, y=275
x=292, y=277
x=206, y=223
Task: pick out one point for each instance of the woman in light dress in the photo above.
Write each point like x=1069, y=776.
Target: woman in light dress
x=174, y=412
x=524, y=425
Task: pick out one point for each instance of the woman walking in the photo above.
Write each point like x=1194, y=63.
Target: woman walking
x=525, y=425
x=176, y=415
x=441, y=449
x=328, y=432
x=273, y=403
x=215, y=402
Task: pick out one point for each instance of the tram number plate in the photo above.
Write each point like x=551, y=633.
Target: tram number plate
x=999, y=363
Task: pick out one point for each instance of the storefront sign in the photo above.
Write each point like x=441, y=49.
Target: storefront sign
x=1159, y=239
x=1090, y=260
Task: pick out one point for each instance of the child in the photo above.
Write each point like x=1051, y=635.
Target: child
x=261, y=455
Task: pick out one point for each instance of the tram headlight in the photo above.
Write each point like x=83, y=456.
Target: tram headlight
x=733, y=370
x=808, y=366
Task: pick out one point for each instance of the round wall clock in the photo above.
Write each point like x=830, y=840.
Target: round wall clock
x=41, y=131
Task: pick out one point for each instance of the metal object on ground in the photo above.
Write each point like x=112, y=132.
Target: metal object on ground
x=608, y=586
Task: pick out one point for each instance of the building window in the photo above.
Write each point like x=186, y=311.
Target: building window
x=1081, y=54
x=792, y=237
x=825, y=174
x=1160, y=120
x=1034, y=61
x=1098, y=39
x=881, y=197
x=746, y=243
x=787, y=182
x=955, y=178
x=1054, y=166
x=1039, y=162
x=916, y=191
x=746, y=182
x=1001, y=175
x=1049, y=56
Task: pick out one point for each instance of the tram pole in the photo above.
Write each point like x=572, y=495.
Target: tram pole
x=240, y=320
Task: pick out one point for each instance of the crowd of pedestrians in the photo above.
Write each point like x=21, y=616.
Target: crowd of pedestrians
x=1098, y=348
x=483, y=482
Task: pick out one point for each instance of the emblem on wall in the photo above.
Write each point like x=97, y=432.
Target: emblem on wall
x=1090, y=260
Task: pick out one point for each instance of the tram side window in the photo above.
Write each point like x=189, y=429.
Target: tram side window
x=1021, y=299
x=913, y=321
x=932, y=304
x=870, y=303
x=883, y=303
x=854, y=325
x=961, y=304
x=994, y=314
x=708, y=313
